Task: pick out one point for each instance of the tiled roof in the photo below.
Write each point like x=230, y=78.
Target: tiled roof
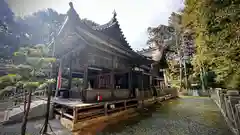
x=109, y=32
x=113, y=30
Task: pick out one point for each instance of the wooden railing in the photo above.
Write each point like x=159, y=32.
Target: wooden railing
x=229, y=104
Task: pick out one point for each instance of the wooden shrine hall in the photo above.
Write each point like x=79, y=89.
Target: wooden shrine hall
x=101, y=56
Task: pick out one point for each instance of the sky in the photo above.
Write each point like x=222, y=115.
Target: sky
x=134, y=16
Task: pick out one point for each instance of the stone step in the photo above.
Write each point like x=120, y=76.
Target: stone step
x=38, y=109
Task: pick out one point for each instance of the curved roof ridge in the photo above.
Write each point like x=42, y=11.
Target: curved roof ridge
x=110, y=31
x=147, y=49
x=112, y=22
x=110, y=26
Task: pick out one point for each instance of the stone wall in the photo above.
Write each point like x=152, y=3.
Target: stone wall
x=118, y=94
x=121, y=93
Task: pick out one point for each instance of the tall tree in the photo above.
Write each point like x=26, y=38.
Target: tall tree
x=9, y=38
x=158, y=37
x=30, y=64
x=48, y=20
x=216, y=27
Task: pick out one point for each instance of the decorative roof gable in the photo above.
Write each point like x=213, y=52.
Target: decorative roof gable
x=107, y=33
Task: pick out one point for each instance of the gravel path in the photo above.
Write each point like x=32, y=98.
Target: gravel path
x=185, y=116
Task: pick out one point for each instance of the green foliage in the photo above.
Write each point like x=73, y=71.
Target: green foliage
x=157, y=35
x=216, y=27
x=9, y=80
x=7, y=89
x=78, y=82
x=34, y=60
x=31, y=85
x=165, y=38
x=31, y=62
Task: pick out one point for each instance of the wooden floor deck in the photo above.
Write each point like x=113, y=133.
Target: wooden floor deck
x=75, y=114
x=79, y=104
x=68, y=102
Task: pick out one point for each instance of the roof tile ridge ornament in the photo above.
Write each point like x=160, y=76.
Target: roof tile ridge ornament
x=114, y=15
x=72, y=14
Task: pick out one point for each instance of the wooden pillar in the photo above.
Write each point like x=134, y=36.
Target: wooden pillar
x=130, y=78
x=112, y=79
x=112, y=83
x=151, y=76
x=85, y=77
x=106, y=108
x=142, y=80
x=130, y=82
x=70, y=72
x=75, y=115
x=55, y=67
x=61, y=65
x=151, y=80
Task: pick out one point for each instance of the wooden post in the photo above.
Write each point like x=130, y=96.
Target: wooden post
x=112, y=79
x=62, y=110
x=105, y=108
x=85, y=76
x=112, y=73
x=55, y=68
x=75, y=115
x=112, y=83
x=125, y=104
x=130, y=80
x=70, y=73
x=142, y=79
x=85, y=82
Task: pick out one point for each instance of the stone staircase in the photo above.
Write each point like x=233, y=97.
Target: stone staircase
x=12, y=106
x=15, y=114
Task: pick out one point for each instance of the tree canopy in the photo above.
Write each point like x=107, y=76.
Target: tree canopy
x=37, y=28
x=217, y=37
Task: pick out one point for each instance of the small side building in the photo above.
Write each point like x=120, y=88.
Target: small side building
x=158, y=73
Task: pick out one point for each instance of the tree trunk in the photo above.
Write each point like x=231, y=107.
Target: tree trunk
x=25, y=102
x=180, y=62
x=165, y=77
x=185, y=75
x=25, y=117
x=202, y=79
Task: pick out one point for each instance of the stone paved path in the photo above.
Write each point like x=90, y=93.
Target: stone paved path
x=186, y=116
